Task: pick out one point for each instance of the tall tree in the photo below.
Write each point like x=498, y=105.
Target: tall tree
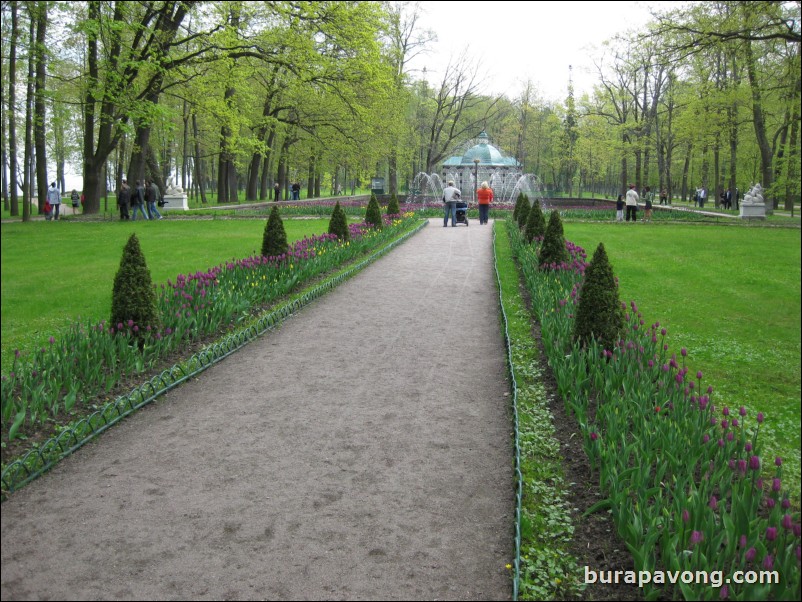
x=12, y=112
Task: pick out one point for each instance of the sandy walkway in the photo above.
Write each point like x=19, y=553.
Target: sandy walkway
x=362, y=451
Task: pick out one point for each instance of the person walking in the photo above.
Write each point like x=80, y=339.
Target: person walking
x=619, y=208
x=296, y=191
x=632, y=203
x=276, y=191
x=152, y=194
x=54, y=197
x=663, y=197
x=451, y=196
x=76, y=199
x=124, y=200
x=138, y=201
x=648, y=198
x=485, y=197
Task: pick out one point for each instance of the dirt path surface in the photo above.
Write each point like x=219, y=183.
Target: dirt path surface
x=360, y=452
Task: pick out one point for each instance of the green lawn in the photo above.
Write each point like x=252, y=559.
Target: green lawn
x=731, y=296
x=54, y=272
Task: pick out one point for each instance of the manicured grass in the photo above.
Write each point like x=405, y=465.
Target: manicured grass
x=52, y=273
x=731, y=296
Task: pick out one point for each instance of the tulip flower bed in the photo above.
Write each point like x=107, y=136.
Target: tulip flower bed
x=684, y=478
x=89, y=360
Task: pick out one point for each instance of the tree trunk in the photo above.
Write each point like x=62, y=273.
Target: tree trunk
x=199, y=175
x=27, y=177
x=39, y=15
x=392, y=167
x=760, y=129
x=792, y=188
x=685, y=168
x=225, y=163
x=310, y=177
x=12, y=115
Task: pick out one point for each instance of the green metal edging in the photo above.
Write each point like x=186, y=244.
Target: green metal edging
x=517, y=447
x=18, y=473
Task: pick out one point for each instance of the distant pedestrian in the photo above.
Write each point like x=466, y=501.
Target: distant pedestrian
x=485, y=196
x=619, y=208
x=152, y=196
x=54, y=196
x=631, y=201
x=296, y=191
x=76, y=199
x=648, y=197
x=276, y=191
x=663, y=197
x=138, y=201
x=451, y=197
x=124, y=200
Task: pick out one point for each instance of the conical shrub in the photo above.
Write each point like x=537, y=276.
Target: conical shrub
x=133, y=299
x=523, y=212
x=553, y=250
x=599, y=313
x=517, y=208
x=373, y=214
x=274, y=241
x=535, y=223
x=393, y=207
x=338, y=224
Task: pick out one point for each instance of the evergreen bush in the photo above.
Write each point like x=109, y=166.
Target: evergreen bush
x=338, y=224
x=535, y=223
x=392, y=207
x=373, y=214
x=517, y=208
x=274, y=241
x=599, y=313
x=133, y=297
x=553, y=250
x=523, y=212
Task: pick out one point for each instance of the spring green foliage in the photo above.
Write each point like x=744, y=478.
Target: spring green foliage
x=523, y=210
x=535, y=223
x=133, y=298
x=274, y=241
x=553, y=250
x=599, y=314
x=392, y=206
x=338, y=225
x=373, y=214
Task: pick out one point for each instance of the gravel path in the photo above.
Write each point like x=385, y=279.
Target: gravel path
x=361, y=451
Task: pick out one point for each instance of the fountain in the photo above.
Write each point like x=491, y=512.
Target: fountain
x=478, y=161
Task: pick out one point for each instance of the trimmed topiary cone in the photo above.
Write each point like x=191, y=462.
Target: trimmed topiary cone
x=393, y=207
x=274, y=241
x=523, y=212
x=599, y=313
x=133, y=298
x=338, y=224
x=517, y=208
x=535, y=223
x=373, y=214
x=553, y=250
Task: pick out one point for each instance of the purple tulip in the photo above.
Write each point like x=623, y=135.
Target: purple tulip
x=594, y=436
x=754, y=463
x=724, y=593
x=785, y=504
x=771, y=533
x=685, y=516
x=706, y=438
x=742, y=541
x=726, y=411
x=787, y=522
x=696, y=537
x=760, y=417
x=742, y=411
x=768, y=562
x=750, y=554
x=748, y=446
x=770, y=503
x=713, y=503
x=778, y=461
x=699, y=375
x=776, y=484
x=683, y=352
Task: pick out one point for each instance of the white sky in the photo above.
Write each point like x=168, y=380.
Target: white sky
x=524, y=40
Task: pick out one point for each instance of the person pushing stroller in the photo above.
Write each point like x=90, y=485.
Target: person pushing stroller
x=451, y=196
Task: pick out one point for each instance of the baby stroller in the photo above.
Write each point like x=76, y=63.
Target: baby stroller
x=462, y=213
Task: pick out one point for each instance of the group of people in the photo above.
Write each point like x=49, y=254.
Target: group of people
x=452, y=196
x=53, y=202
x=295, y=190
x=142, y=198
x=630, y=201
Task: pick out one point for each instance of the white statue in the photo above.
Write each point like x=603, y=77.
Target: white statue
x=754, y=196
x=173, y=190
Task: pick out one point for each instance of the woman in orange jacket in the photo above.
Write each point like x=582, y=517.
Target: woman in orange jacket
x=485, y=197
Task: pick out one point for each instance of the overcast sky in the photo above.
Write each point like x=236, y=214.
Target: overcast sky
x=517, y=41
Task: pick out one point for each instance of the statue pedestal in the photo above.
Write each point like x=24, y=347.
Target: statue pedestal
x=753, y=211
x=175, y=202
